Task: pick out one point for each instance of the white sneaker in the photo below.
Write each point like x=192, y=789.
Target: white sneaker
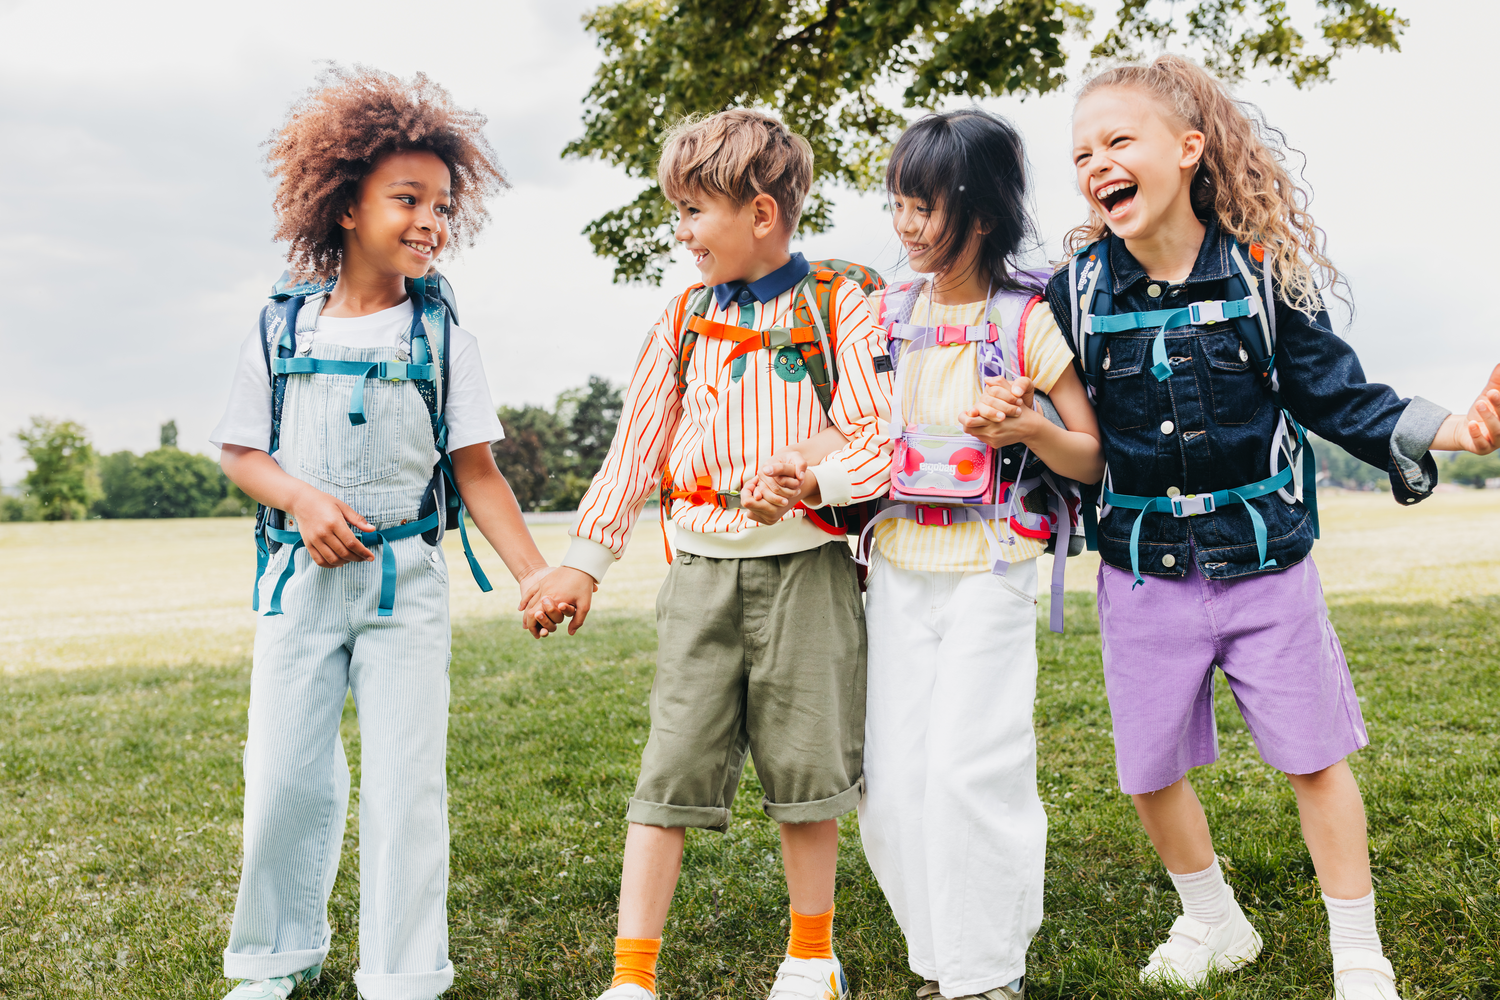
x=274, y=989
x=627, y=991
x=809, y=979
x=1363, y=975
x=1193, y=949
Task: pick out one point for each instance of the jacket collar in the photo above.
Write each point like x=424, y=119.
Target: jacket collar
x=1213, y=263
x=763, y=289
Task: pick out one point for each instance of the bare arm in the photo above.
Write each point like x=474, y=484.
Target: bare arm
x=323, y=520
x=1479, y=430
x=1004, y=416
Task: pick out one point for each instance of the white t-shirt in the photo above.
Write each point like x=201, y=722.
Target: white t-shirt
x=470, y=411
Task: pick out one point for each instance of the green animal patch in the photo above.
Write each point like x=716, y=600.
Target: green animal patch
x=789, y=365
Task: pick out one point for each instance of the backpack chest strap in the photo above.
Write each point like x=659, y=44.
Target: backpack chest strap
x=385, y=371
x=919, y=337
x=1195, y=313
x=747, y=340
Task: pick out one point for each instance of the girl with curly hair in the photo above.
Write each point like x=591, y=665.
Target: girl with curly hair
x=1193, y=299
x=376, y=177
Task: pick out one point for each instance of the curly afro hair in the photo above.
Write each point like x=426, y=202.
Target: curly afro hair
x=334, y=136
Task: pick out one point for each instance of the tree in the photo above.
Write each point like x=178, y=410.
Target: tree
x=62, y=481
x=531, y=452
x=169, y=434
x=1472, y=470
x=166, y=482
x=823, y=65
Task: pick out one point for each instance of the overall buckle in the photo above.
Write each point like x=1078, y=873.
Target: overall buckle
x=1192, y=504
x=941, y=516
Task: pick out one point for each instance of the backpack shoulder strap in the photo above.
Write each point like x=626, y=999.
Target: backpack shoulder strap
x=694, y=301
x=1092, y=292
x=1257, y=331
x=813, y=306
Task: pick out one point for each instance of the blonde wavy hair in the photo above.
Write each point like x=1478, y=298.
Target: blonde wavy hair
x=1242, y=178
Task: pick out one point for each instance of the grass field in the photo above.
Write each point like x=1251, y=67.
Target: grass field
x=120, y=785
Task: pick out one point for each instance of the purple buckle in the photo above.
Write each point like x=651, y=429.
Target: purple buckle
x=940, y=516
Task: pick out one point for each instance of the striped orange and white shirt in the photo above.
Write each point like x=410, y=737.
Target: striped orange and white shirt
x=725, y=428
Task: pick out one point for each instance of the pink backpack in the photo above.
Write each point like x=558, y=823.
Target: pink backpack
x=941, y=475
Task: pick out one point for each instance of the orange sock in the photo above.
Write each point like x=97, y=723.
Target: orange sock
x=635, y=962
x=812, y=937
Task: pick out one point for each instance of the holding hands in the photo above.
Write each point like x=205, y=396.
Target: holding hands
x=550, y=594
x=1004, y=413
x=778, y=486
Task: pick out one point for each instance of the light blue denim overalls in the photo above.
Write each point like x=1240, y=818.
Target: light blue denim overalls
x=331, y=639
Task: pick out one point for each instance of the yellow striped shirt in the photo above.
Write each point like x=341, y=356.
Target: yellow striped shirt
x=937, y=385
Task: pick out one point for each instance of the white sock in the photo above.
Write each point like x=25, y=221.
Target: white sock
x=1351, y=924
x=1205, y=896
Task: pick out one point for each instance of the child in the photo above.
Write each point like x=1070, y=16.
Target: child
x=1195, y=228
x=760, y=627
x=375, y=177
x=951, y=821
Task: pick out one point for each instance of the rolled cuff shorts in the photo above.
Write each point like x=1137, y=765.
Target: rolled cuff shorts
x=1271, y=636
x=764, y=656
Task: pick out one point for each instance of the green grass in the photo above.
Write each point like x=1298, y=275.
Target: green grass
x=120, y=802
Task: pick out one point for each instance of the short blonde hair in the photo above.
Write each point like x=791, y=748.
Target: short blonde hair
x=737, y=154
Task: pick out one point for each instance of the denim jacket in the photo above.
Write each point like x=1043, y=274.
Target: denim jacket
x=1210, y=425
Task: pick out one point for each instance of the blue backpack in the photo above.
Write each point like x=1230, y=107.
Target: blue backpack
x=1252, y=311
x=434, y=312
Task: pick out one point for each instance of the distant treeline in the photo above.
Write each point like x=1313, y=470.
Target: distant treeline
x=69, y=480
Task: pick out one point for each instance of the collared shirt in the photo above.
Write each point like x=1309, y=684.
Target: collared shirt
x=763, y=289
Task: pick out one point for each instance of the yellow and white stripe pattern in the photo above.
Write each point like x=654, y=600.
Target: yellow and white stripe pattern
x=937, y=386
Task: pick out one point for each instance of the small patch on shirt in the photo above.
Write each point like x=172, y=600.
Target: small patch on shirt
x=884, y=364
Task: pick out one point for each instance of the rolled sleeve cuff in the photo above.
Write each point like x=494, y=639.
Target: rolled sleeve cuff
x=1413, y=471
x=835, y=485
x=590, y=557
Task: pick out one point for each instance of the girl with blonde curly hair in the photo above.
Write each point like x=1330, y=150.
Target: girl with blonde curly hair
x=1193, y=300
x=354, y=381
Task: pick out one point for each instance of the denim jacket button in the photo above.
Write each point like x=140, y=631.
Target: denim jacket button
x=1167, y=427
x=1173, y=491
x=1153, y=290
x=1169, y=560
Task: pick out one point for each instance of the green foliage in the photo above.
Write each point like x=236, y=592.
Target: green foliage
x=62, y=482
x=121, y=794
x=169, y=434
x=550, y=457
x=1472, y=470
x=825, y=66
x=1346, y=471
x=19, y=508
x=161, y=483
x=235, y=503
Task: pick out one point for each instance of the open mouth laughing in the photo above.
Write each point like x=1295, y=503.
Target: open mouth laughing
x=1116, y=197
x=423, y=250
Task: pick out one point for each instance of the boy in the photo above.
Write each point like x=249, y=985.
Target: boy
x=760, y=627
x=375, y=177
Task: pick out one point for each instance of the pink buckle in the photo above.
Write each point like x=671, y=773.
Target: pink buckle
x=947, y=336
x=941, y=516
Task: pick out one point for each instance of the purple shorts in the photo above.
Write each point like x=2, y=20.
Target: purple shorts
x=1270, y=635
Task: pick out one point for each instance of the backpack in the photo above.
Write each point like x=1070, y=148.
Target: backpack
x=434, y=312
x=1252, y=311
x=942, y=476
x=811, y=343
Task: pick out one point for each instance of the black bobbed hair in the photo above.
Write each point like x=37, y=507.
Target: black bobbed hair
x=972, y=164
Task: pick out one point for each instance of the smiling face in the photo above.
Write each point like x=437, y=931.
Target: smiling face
x=399, y=223
x=732, y=242
x=1135, y=164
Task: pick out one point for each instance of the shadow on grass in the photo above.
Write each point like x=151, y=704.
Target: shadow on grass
x=122, y=796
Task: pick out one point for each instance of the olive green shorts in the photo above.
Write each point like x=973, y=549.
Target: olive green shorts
x=765, y=656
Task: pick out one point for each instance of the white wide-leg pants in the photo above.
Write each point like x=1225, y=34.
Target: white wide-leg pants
x=951, y=820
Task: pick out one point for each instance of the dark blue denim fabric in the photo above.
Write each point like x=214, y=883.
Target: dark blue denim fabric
x=1210, y=426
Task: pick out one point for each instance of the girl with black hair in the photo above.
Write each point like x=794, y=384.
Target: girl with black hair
x=951, y=820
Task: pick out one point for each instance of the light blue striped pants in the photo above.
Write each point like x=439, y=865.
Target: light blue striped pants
x=329, y=641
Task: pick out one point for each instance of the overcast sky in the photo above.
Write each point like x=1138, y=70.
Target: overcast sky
x=136, y=219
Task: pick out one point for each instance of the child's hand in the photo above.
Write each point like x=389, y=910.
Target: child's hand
x=1482, y=433
x=324, y=524
x=564, y=593
x=1003, y=415
x=531, y=583
x=777, y=487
